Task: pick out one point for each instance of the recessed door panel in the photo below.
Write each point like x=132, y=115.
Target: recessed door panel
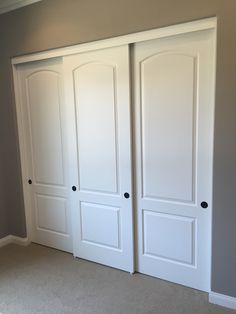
x=95, y=88
x=168, y=135
x=169, y=237
x=98, y=85
x=48, y=208
x=105, y=229
x=173, y=96
x=43, y=91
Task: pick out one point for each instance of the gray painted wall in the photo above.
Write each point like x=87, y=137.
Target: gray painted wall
x=57, y=23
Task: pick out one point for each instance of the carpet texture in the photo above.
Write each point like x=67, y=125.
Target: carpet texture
x=37, y=279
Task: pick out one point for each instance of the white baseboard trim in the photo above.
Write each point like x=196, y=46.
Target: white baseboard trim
x=13, y=239
x=223, y=300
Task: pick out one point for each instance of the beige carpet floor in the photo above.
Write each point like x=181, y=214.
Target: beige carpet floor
x=36, y=279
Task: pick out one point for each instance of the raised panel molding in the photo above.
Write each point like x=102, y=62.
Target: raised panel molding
x=169, y=231
x=105, y=229
x=10, y=5
x=172, y=114
x=97, y=127
x=49, y=207
x=48, y=138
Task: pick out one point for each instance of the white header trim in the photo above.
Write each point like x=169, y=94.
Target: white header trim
x=204, y=24
x=10, y=5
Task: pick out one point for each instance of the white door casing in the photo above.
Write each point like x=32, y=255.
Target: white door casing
x=97, y=83
x=174, y=110
x=44, y=120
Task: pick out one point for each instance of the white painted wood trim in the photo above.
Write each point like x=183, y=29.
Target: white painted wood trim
x=7, y=6
x=20, y=241
x=223, y=300
x=13, y=239
x=183, y=28
x=5, y=241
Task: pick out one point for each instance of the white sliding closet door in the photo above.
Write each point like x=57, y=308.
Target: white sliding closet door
x=45, y=137
x=97, y=83
x=174, y=132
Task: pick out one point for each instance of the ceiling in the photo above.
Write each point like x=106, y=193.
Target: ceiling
x=9, y=5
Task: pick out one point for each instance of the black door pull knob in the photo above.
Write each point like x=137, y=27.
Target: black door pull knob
x=126, y=195
x=74, y=188
x=30, y=181
x=204, y=204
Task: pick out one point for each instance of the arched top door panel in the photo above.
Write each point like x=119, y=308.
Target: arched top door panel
x=168, y=101
x=44, y=101
x=96, y=109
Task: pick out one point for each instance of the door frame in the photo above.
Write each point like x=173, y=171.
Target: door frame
x=169, y=31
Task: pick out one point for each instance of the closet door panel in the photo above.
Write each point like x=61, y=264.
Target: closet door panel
x=174, y=110
x=98, y=86
x=45, y=137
